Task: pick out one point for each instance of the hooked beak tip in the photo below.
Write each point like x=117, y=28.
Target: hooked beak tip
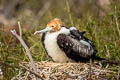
x=36, y=32
x=42, y=31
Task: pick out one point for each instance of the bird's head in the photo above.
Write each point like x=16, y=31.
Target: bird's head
x=53, y=26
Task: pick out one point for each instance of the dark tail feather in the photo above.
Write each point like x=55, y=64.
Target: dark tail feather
x=103, y=60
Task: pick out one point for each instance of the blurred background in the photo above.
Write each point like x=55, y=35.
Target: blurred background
x=99, y=18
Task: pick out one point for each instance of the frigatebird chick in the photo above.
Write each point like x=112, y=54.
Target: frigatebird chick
x=67, y=44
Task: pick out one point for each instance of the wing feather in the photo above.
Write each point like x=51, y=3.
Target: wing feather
x=74, y=47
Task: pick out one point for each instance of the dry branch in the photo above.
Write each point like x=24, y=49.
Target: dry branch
x=24, y=45
x=116, y=21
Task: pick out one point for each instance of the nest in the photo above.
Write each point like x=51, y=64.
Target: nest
x=64, y=71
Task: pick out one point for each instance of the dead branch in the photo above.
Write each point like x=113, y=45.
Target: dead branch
x=116, y=20
x=24, y=45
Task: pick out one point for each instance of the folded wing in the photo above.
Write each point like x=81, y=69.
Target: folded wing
x=76, y=45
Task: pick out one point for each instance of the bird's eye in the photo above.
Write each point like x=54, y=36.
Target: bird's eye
x=52, y=26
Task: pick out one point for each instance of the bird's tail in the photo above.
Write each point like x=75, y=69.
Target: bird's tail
x=103, y=60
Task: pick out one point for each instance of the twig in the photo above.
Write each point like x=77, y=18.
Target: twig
x=108, y=52
x=90, y=70
x=24, y=45
x=103, y=70
x=20, y=31
x=1, y=73
x=36, y=74
x=69, y=76
x=116, y=21
x=118, y=77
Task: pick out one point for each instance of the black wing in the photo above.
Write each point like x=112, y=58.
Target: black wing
x=80, y=36
x=76, y=46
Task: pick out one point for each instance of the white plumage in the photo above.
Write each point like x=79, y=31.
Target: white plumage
x=52, y=47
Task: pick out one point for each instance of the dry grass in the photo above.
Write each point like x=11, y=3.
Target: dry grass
x=65, y=71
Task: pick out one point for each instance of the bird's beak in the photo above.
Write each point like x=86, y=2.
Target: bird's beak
x=47, y=29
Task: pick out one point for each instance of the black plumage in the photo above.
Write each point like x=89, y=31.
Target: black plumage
x=77, y=46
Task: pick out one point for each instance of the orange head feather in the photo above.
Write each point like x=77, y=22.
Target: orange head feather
x=55, y=24
x=52, y=26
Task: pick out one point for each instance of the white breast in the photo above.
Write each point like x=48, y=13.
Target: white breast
x=53, y=49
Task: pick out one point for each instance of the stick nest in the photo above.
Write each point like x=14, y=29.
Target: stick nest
x=64, y=71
